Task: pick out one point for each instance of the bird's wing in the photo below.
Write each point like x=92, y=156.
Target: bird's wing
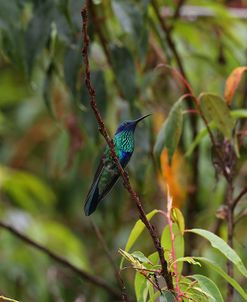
x=105, y=177
x=108, y=186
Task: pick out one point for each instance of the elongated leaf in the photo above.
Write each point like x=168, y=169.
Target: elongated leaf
x=140, y=286
x=178, y=217
x=235, y=114
x=223, y=247
x=220, y=271
x=215, y=109
x=232, y=83
x=136, y=232
x=170, y=132
x=132, y=17
x=38, y=31
x=166, y=243
x=2, y=298
x=124, y=68
x=209, y=287
x=203, y=133
x=190, y=260
x=167, y=296
x=140, y=257
x=239, y=113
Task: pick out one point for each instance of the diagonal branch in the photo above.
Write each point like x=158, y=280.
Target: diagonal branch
x=167, y=276
x=81, y=273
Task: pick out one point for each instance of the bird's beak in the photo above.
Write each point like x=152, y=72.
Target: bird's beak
x=141, y=118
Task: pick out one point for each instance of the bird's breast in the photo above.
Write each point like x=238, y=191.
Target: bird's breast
x=124, y=157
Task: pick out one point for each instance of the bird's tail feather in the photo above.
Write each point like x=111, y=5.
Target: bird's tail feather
x=92, y=200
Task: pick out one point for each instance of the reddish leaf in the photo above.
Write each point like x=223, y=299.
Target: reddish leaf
x=232, y=83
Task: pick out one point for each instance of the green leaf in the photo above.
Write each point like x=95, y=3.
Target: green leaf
x=201, y=134
x=140, y=257
x=132, y=17
x=239, y=113
x=72, y=60
x=178, y=218
x=166, y=243
x=38, y=32
x=26, y=189
x=140, y=286
x=170, y=132
x=167, y=296
x=190, y=260
x=223, y=247
x=124, y=68
x=235, y=114
x=2, y=298
x=136, y=232
x=220, y=271
x=215, y=109
x=10, y=79
x=208, y=286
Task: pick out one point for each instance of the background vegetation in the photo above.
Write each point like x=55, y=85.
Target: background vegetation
x=50, y=142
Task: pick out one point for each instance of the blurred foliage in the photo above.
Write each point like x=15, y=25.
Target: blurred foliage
x=50, y=142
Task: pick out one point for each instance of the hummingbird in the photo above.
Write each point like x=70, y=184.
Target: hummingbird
x=107, y=172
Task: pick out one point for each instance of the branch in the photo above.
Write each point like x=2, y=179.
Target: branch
x=81, y=273
x=169, y=39
x=103, y=42
x=237, y=199
x=177, y=12
x=167, y=276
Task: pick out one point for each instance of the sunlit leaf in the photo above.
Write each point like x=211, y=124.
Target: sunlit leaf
x=232, y=82
x=214, y=266
x=136, y=232
x=3, y=299
x=27, y=190
x=166, y=243
x=140, y=257
x=209, y=287
x=9, y=95
x=239, y=113
x=170, y=132
x=178, y=218
x=223, y=247
x=140, y=286
x=215, y=109
x=60, y=239
x=190, y=260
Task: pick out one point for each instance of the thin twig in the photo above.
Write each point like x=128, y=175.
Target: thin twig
x=237, y=199
x=109, y=256
x=167, y=276
x=81, y=273
x=169, y=39
x=176, y=13
x=99, y=31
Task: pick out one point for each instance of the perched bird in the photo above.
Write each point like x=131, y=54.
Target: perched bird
x=107, y=172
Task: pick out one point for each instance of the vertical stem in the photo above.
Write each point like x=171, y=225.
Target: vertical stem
x=230, y=230
x=173, y=252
